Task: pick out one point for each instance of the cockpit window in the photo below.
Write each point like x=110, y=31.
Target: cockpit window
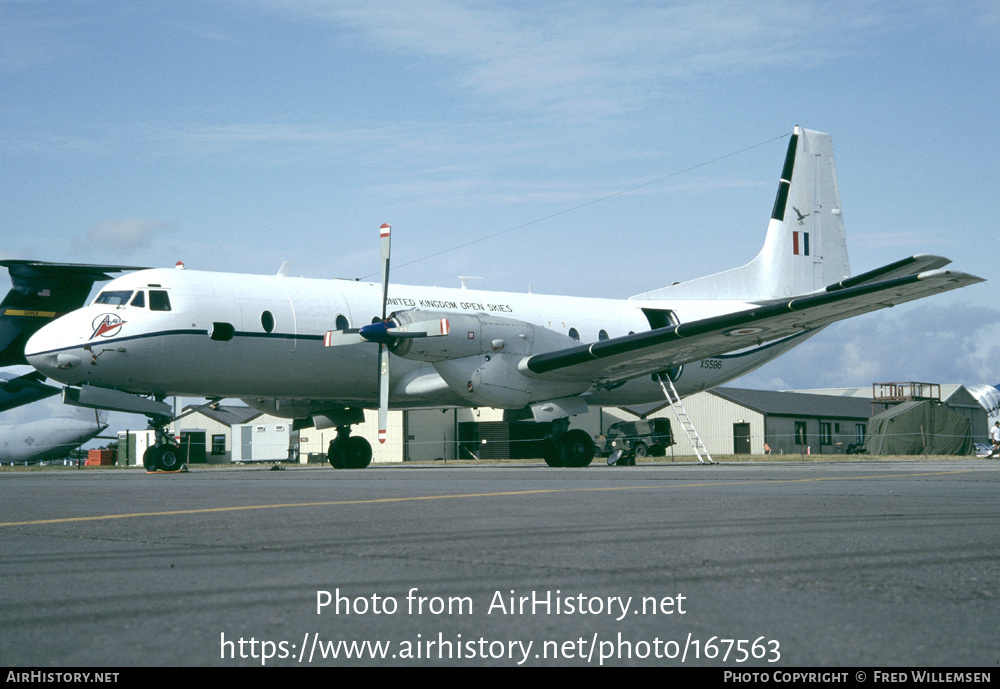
x=114, y=298
x=158, y=300
x=139, y=299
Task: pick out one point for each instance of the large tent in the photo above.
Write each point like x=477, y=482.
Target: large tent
x=918, y=428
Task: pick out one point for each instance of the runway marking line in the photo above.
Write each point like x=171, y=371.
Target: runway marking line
x=331, y=503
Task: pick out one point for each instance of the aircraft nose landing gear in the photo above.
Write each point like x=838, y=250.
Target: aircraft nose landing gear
x=165, y=455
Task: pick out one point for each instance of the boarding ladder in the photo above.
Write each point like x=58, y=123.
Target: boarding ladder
x=692, y=433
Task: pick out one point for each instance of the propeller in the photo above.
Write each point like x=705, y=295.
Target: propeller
x=383, y=344
x=384, y=333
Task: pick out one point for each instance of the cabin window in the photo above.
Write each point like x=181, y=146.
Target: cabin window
x=139, y=299
x=574, y=334
x=158, y=300
x=114, y=297
x=267, y=321
x=342, y=323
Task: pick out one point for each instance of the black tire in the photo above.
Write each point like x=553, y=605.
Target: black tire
x=359, y=452
x=577, y=448
x=352, y=452
x=149, y=459
x=640, y=451
x=552, y=454
x=336, y=453
x=169, y=458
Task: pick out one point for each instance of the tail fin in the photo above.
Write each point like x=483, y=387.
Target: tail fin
x=805, y=249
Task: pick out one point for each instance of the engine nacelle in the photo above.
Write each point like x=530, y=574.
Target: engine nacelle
x=479, y=357
x=464, y=338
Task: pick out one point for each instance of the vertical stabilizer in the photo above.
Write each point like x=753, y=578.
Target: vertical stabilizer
x=805, y=248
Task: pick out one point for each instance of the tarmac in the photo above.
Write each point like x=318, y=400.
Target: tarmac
x=737, y=566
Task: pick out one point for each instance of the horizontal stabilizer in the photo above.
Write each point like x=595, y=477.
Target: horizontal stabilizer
x=908, y=266
x=17, y=392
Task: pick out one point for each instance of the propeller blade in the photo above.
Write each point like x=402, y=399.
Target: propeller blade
x=435, y=328
x=384, y=235
x=383, y=391
x=336, y=338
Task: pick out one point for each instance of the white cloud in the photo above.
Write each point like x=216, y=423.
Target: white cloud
x=587, y=57
x=122, y=237
x=593, y=59
x=927, y=343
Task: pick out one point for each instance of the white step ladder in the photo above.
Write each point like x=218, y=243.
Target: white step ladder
x=675, y=402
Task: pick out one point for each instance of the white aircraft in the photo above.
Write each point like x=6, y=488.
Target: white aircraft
x=48, y=438
x=303, y=348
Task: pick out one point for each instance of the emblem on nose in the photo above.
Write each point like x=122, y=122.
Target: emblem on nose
x=107, y=325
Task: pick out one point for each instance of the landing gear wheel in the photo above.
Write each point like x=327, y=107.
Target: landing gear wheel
x=336, y=453
x=149, y=459
x=577, y=448
x=553, y=455
x=169, y=458
x=165, y=457
x=351, y=452
x=359, y=453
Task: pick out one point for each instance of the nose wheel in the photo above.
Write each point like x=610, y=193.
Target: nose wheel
x=163, y=457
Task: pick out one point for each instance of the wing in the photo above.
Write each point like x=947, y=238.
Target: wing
x=636, y=355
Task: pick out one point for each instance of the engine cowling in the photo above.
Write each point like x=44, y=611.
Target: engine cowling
x=478, y=358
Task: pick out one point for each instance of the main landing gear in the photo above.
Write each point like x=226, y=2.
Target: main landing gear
x=568, y=448
x=347, y=451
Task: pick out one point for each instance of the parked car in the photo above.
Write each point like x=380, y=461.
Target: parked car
x=636, y=439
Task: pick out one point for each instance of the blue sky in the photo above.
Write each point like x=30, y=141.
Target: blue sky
x=234, y=135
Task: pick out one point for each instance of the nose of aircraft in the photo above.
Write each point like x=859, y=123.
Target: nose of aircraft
x=55, y=352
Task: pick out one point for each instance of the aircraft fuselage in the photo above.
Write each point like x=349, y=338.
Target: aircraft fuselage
x=191, y=333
